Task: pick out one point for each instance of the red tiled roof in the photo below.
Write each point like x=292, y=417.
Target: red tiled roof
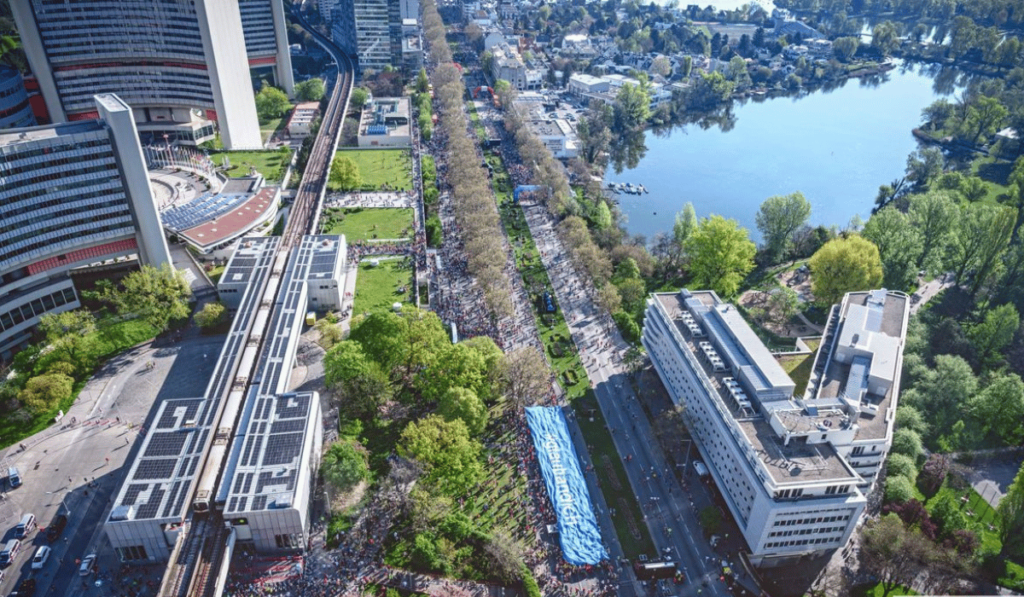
x=235, y=221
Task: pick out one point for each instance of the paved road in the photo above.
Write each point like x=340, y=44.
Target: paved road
x=669, y=515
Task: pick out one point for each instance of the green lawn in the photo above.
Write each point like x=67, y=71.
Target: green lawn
x=269, y=126
x=358, y=224
x=271, y=164
x=1014, y=576
x=382, y=168
x=799, y=369
x=215, y=273
x=995, y=173
x=380, y=287
x=980, y=512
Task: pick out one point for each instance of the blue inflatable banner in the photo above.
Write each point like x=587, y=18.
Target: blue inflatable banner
x=578, y=532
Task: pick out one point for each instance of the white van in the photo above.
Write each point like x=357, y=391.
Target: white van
x=26, y=526
x=9, y=552
x=700, y=468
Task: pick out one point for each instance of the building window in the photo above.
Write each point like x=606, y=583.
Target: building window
x=132, y=553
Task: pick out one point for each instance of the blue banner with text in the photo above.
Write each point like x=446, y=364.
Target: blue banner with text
x=578, y=532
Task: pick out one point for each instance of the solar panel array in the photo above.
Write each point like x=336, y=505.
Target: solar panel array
x=200, y=210
x=172, y=451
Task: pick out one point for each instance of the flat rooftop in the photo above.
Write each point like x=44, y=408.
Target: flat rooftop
x=797, y=462
x=247, y=255
x=871, y=424
x=48, y=131
x=327, y=254
x=803, y=463
x=267, y=470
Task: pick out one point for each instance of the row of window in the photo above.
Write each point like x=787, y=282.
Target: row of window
x=70, y=236
x=131, y=553
x=36, y=308
x=13, y=154
x=55, y=208
x=805, y=531
x=812, y=520
x=57, y=223
x=798, y=542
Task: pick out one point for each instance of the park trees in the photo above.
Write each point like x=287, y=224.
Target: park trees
x=933, y=214
x=844, y=265
x=463, y=404
x=721, y=254
x=708, y=91
x=451, y=459
x=457, y=366
x=271, y=103
x=999, y=409
x=66, y=334
x=344, y=175
x=885, y=37
x=925, y=165
x=344, y=465
x=156, y=295
x=942, y=391
x=892, y=552
x=981, y=237
x=994, y=332
x=899, y=246
x=310, y=90
x=778, y=218
x=632, y=107
x=358, y=381
x=525, y=376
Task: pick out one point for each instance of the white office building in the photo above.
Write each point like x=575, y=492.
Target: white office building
x=73, y=195
x=180, y=65
x=793, y=471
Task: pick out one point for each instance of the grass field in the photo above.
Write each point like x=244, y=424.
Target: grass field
x=382, y=168
x=377, y=288
x=271, y=164
x=269, y=126
x=799, y=369
x=996, y=174
x=362, y=224
x=215, y=273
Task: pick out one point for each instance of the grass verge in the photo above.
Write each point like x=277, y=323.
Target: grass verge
x=380, y=287
x=358, y=224
x=271, y=164
x=382, y=168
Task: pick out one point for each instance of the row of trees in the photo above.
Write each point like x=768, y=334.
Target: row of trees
x=475, y=209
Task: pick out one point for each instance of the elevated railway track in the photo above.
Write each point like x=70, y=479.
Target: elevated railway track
x=196, y=567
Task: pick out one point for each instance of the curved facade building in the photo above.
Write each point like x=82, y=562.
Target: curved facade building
x=71, y=195
x=178, y=64
x=15, y=110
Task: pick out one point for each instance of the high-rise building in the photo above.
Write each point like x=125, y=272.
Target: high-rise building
x=72, y=194
x=15, y=110
x=179, y=65
x=793, y=464
x=371, y=30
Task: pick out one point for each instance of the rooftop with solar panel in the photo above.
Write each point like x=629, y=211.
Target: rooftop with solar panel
x=211, y=220
x=386, y=123
x=850, y=398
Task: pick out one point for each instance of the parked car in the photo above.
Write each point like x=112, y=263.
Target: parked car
x=42, y=554
x=87, y=563
x=56, y=527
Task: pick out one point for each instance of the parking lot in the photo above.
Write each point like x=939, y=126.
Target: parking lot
x=75, y=466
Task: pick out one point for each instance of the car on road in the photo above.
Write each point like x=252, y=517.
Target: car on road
x=87, y=563
x=56, y=527
x=42, y=554
x=25, y=588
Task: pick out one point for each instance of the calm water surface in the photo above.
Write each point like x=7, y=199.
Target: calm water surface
x=836, y=147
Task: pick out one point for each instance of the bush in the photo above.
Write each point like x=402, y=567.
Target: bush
x=627, y=326
x=211, y=315
x=898, y=489
x=433, y=228
x=934, y=473
x=902, y=466
x=530, y=586
x=907, y=442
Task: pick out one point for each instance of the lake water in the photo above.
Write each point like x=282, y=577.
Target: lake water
x=836, y=147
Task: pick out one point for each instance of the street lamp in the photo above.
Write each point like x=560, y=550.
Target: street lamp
x=62, y=502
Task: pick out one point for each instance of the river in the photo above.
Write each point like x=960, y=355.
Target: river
x=835, y=146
